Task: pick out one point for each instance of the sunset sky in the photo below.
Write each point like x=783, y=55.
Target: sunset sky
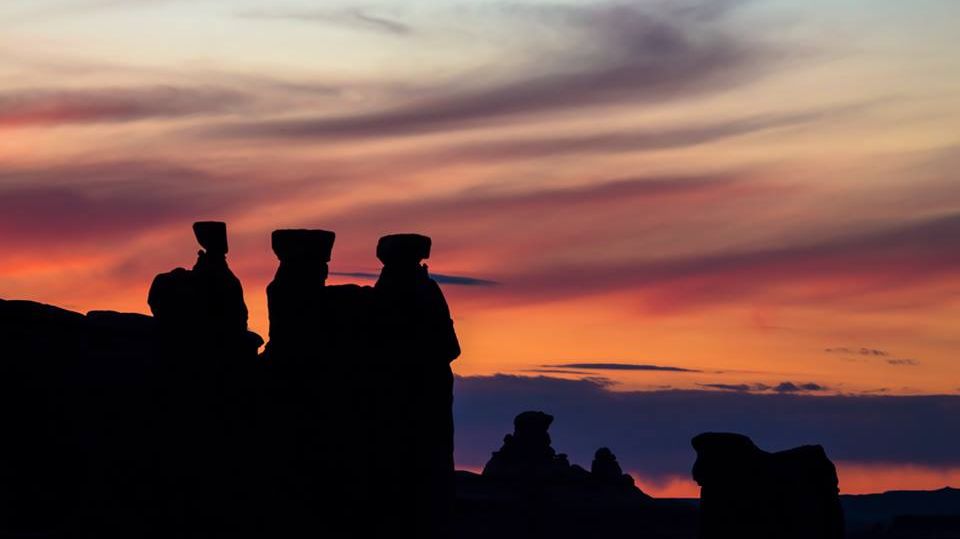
x=650, y=218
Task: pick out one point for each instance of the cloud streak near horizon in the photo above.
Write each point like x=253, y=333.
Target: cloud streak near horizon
x=620, y=367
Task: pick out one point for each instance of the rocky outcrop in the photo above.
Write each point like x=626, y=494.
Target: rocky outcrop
x=749, y=493
x=527, y=455
x=529, y=490
x=528, y=458
x=202, y=310
x=295, y=297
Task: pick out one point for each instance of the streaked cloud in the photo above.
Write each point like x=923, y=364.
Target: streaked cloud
x=627, y=140
x=863, y=351
x=737, y=387
x=510, y=208
x=790, y=387
x=782, y=387
x=100, y=201
x=884, y=259
x=622, y=55
x=52, y=107
x=878, y=257
x=903, y=362
x=873, y=353
x=458, y=280
x=620, y=367
x=352, y=18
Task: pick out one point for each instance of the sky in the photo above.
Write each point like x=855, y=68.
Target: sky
x=650, y=218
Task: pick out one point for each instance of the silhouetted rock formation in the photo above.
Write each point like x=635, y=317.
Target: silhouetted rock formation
x=749, y=493
x=172, y=426
x=528, y=458
x=314, y=405
x=122, y=425
x=527, y=489
x=205, y=399
x=204, y=305
x=414, y=343
x=526, y=454
x=294, y=296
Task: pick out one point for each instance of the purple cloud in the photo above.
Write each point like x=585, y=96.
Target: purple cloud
x=67, y=204
x=50, y=107
x=887, y=258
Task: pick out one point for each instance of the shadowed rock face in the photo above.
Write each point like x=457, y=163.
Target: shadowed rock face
x=749, y=493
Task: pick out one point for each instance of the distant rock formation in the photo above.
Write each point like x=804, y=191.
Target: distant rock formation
x=529, y=490
x=527, y=455
x=749, y=493
x=605, y=470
